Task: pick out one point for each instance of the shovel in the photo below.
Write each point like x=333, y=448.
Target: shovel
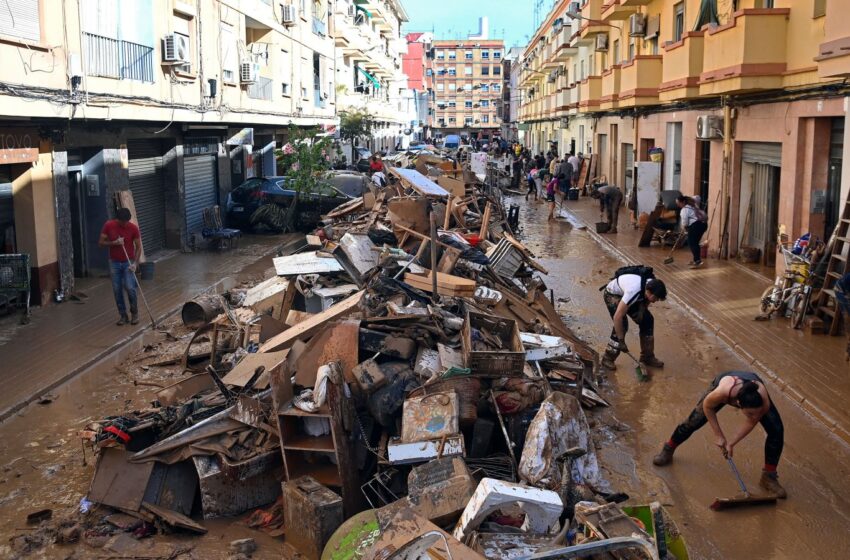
x=744, y=500
x=669, y=259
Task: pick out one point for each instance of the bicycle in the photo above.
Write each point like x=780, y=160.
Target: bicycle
x=792, y=290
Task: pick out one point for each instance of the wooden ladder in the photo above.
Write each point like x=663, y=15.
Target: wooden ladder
x=827, y=305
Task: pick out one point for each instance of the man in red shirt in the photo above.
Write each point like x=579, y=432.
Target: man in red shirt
x=124, y=242
x=376, y=165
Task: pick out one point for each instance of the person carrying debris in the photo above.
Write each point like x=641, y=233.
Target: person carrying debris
x=629, y=293
x=744, y=390
x=531, y=178
x=551, y=186
x=610, y=199
x=125, y=242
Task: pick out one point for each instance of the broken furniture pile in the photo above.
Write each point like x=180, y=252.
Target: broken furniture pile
x=403, y=381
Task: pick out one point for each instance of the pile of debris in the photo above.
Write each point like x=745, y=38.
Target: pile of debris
x=402, y=388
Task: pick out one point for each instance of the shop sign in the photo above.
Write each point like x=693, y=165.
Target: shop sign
x=18, y=147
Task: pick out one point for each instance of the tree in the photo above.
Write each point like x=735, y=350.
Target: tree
x=355, y=124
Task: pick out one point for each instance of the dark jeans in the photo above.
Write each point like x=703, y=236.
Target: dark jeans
x=695, y=233
x=612, y=208
x=515, y=179
x=771, y=422
x=123, y=279
x=639, y=312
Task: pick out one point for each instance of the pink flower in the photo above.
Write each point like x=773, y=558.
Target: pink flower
x=296, y=166
x=288, y=149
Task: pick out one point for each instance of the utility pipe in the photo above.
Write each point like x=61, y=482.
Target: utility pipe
x=726, y=198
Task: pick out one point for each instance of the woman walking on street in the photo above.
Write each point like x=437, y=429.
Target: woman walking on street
x=746, y=391
x=694, y=223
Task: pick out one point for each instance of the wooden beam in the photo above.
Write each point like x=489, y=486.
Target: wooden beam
x=314, y=324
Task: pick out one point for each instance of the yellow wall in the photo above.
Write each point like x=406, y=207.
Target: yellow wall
x=35, y=222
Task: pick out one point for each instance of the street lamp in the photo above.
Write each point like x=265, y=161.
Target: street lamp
x=574, y=15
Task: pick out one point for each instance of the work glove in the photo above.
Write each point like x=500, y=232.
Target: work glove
x=617, y=345
x=132, y=267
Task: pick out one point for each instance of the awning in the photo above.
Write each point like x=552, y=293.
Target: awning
x=357, y=6
x=371, y=78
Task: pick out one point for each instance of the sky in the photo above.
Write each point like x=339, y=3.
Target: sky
x=511, y=20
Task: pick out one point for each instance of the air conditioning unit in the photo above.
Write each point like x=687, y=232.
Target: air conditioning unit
x=709, y=126
x=175, y=48
x=287, y=14
x=602, y=42
x=352, y=10
x=637, y=25
x=574, y=8
x=248, y=72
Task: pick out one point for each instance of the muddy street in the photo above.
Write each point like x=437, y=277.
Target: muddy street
x=43, y=464
x=814, y=522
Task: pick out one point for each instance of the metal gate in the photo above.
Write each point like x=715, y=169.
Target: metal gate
x=768, y=153
x=199, y=174
x=147, y=183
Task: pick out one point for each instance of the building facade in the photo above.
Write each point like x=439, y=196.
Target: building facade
x=413, y=64
x=745, y=99
x=171, y=102
x=465, y=78
x=369, y=74
x=511, y=94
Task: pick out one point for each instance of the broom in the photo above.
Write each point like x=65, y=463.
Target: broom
x=744, y=500
x=669, y=259
x=641, y=375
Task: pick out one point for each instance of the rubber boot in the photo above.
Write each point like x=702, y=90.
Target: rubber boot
x=770, y=483
x=665, y=457
x=608, y=360
x=647, y=352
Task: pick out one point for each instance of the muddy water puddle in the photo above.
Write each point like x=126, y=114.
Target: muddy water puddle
x=814, y=522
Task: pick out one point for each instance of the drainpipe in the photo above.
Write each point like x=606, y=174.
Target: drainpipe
x=635, y=150
x=727, y=168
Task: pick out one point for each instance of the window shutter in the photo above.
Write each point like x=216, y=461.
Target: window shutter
x=20, y=18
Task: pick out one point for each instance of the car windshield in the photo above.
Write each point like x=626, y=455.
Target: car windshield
x=352, y=185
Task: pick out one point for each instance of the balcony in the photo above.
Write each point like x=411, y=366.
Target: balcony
x=616, y=10
x=113, y=58
x=573, y=99
x=592, y=10
x=682, y=67
x=562, y=102
x=749, y=53
x=610, y=88
x=590, y=91
x=834, y=53
x=639, y=79
x=635, y=3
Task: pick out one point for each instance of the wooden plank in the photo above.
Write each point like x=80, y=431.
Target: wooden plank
x=124, y=199
x=447, y=285
x=305, y=263
x=313, y=324
x=485, y=221
x=244, y=370
x=447, y=217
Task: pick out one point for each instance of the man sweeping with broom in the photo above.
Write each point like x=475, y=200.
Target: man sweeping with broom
x=744, y=390
x=125, y=243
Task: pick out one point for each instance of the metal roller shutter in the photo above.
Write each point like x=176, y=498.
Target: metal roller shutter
x=199, y=177
x=768, y=153
x=20, y=18
x=147, y=183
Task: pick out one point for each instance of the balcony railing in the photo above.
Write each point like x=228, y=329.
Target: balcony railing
x=639, y=79
x=610, y=88
x=682, y=67
x=261, y=89
x=114, y=58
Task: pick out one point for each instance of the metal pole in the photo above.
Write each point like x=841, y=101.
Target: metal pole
x=139, y=286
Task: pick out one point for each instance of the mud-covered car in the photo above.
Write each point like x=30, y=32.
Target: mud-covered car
x=261, y=203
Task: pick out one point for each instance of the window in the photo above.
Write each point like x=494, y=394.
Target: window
x=467, y=70
x=631, y=50
x=183, y=28
x=452, y=55
x=497, y=55
x=229, y=55
x=429, y=72
x=285, y=72
x=468, y=55
x=653, y=45
x=485, y=70
x=441, y=54
x=485, y=87
x=678, y=21
x=497, y=70
x=485, y=118
x=583, y=75
x=616, y=53
x=452, y=71
x=441, y=87
x=467, y=121
x=485, y=103
x=467, y=104
x=497, y=87
x=820, y=8
x=21, y=20
x=467, y=87
x=452, y=87
x=485, y=54
x=452, y=119
x=452, y=103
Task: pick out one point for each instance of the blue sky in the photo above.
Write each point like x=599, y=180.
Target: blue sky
x=511, y=20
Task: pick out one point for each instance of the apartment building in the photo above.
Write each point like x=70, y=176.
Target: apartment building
x=369, y=73
x=465, y=78
x=173, y=101
x=511, y=94
x=413, y=65
x=746, y=98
